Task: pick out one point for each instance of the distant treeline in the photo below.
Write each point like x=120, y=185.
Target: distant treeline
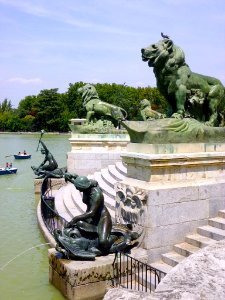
x=51, y=111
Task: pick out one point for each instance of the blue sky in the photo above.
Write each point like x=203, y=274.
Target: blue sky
x=50, y=43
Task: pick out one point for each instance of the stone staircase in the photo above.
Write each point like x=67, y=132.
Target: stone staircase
x=68, y=200
x=204, y=236
x=68, y=203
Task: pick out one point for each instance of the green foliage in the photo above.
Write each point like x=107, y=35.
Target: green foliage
x=74, y=102
x=9, y=121
x=51, y=111
x=27, y=123
x=5, y=106
x=26, y=106
x=129, y=98
x=47, y=108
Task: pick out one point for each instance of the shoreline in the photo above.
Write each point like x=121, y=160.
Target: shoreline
x=36, y=132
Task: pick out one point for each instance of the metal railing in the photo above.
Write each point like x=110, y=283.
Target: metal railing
x=133, y=274
x=128, y=272
x=50, y=217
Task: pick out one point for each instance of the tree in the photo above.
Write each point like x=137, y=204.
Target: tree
x=48, y=108
x=52, y=111
x=26, y=106
x=5, y=106
x=74, y=101
x=9, y=121
x=27, y=123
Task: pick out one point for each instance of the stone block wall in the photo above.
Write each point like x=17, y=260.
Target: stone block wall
x=182, y=190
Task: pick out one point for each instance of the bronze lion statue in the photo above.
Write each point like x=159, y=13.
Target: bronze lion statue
x=96, y=108
x=189, y=94
x=147, y=113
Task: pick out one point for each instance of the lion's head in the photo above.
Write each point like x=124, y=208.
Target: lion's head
x=88, y=92
x=163, y=55
x=145, y=103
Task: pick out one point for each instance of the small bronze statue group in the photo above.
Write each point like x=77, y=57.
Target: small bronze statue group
x=92, y=233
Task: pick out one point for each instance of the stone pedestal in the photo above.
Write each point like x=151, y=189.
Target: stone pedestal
x=183, y=189
x=84, y=280
x=93, y=152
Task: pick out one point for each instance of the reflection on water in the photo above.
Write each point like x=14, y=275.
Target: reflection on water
x=23, y=255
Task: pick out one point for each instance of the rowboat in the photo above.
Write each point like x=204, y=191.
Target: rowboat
x=7, y=171
x=22, y=156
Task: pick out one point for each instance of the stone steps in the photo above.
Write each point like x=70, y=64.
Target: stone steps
x=121, y=168
x=69, y=199
x=59, y=204
x=116, y=173
x=110, y=204
x=107, y=177
x=185, y=249
x=198, y=240
x=76, y=198
x=144, y=281
x=217, y=222
x=107, y=189
x=212, y=232
x=172, y=258
x=221, y=213
x=205, y=235
x=162, y=266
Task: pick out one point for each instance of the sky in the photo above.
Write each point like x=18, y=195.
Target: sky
x=46, y=44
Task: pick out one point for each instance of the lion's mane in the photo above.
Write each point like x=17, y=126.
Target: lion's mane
x=179, y=85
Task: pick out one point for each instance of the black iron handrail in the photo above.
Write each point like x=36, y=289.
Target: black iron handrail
x=133, y=274
x=50, y=217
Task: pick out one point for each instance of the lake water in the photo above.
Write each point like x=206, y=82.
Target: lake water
x=23, y=257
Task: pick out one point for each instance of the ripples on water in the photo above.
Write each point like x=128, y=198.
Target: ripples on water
x=24, y=274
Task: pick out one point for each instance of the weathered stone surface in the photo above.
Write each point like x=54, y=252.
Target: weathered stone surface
x=124, y=294
x=73, y=278
x=200, y=276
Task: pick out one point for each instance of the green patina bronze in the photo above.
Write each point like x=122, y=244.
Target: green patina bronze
x=197, y=102
x=97, y=127
x=189, y=94
x=97, y=109
x=147, y=113
x=92, y=233
x=171, y=130
x=49, y=166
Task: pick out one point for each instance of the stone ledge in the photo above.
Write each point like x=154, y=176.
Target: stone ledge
x=175, y=148
x=174, y=166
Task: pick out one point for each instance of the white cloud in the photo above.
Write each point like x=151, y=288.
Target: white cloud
x=22, y=80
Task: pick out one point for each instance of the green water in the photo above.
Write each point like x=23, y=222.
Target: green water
x=23, y=266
